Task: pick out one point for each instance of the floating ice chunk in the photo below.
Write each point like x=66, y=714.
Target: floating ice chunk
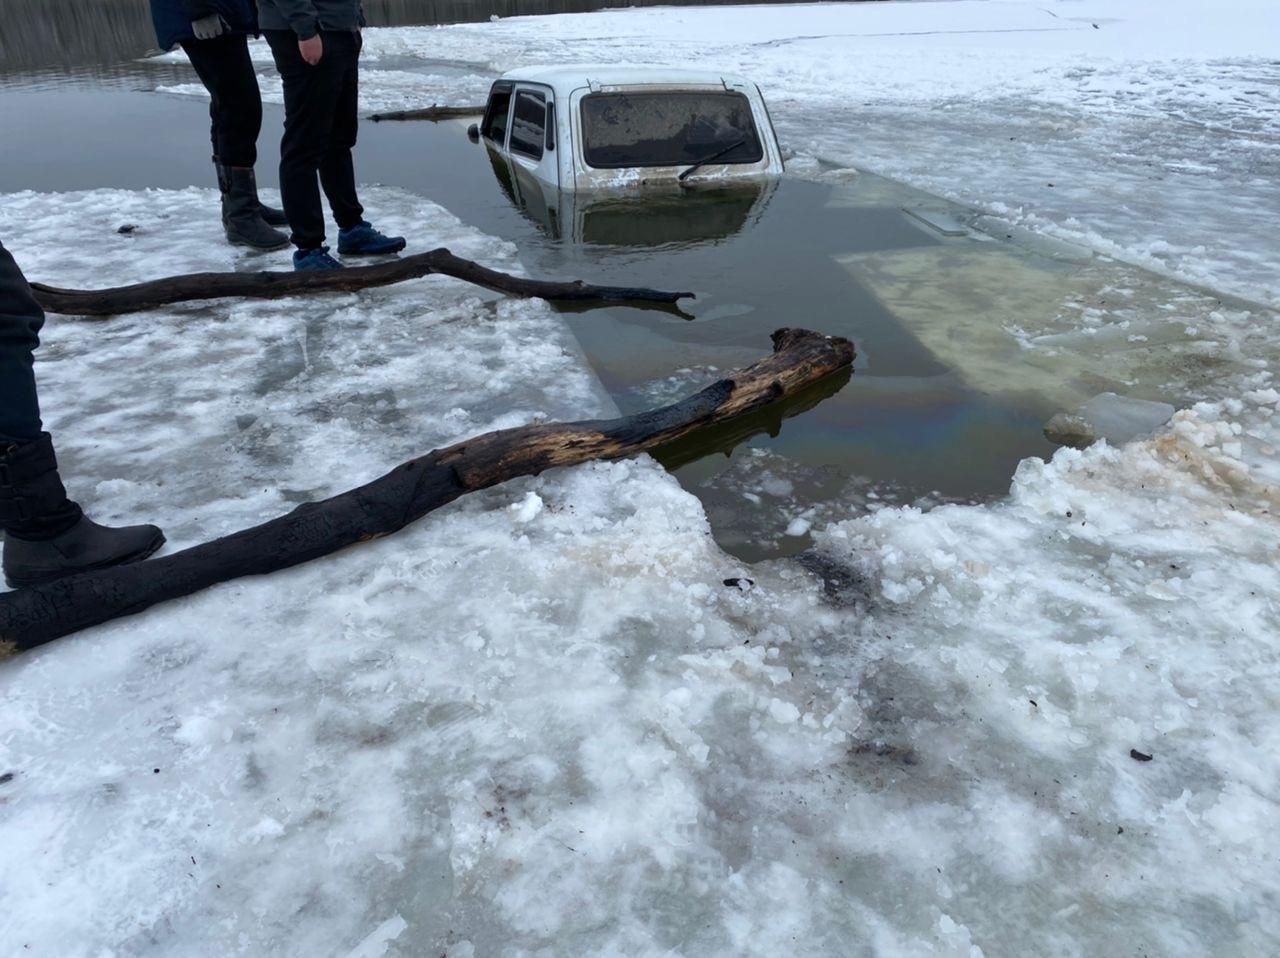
x=1121, y=418
x=1068, y=430
x=798, y=526
x=944, y=221
x=776, y=486
x=1118, y=419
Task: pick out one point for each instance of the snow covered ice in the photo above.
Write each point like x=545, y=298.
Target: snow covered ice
x=538, y=721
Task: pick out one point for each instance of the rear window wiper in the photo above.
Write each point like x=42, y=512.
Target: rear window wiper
x=714, y=156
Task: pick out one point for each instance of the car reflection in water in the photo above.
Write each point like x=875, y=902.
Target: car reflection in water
x=654, y=217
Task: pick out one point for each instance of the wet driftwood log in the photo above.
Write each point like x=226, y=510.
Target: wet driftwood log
x=34, y=616
x=195, y=286
x=432, y=113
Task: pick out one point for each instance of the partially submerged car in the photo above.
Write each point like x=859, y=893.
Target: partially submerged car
x=578, y=129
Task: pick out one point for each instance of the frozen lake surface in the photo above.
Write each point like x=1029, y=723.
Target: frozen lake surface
x=539, y=721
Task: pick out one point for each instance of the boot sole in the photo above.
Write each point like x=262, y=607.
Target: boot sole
x=237, y=241
x=27, y=582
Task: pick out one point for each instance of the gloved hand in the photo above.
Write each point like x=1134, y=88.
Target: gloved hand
x=206, y=28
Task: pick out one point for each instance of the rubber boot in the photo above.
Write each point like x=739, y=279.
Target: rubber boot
x=242, y=213
x=47, y=537
x=270, y=215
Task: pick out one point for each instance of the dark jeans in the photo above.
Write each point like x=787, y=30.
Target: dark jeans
x=320, y=124
x=20, y=321
x=226, y=71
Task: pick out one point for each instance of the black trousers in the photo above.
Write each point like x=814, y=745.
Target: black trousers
x=320, y=124
x=225, y=69
x=20, y=321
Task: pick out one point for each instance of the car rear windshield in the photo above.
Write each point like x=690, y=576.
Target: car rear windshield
x=668, y=129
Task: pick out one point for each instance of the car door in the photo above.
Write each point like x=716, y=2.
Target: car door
x=497, y=115
x=532, y=142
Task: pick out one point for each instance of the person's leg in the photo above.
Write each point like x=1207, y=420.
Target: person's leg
x=310, y=98
x=46, y=535
x=226, y=70
x=240, y=147
x=32, y=500
x=208, y=58
x=337, y=168
x=229, y=71
x=337, y=173
x=21, y=319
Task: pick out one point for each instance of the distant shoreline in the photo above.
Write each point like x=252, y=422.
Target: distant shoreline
x=46, y=34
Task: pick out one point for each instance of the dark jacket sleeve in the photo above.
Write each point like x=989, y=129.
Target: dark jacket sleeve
x=302, y=16
x=198, y=9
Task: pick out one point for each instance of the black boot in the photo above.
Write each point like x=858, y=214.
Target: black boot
x=47, y=537
x=242, y=213
x=270, y=215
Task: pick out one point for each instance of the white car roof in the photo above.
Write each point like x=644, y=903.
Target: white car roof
x=565, y=79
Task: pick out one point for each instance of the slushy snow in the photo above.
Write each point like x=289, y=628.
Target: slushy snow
x=539, y=721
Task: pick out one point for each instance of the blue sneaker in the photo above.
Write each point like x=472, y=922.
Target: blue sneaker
x=314, y=260
x=363, y=240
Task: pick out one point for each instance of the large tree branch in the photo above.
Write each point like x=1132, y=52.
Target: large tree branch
x=31, y=617
x=194, y=286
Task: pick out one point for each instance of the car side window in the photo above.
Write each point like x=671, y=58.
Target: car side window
x=529, y=124
x=494, y=126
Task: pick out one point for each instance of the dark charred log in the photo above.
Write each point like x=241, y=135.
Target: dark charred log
x=800, y=362
x=274, y=285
